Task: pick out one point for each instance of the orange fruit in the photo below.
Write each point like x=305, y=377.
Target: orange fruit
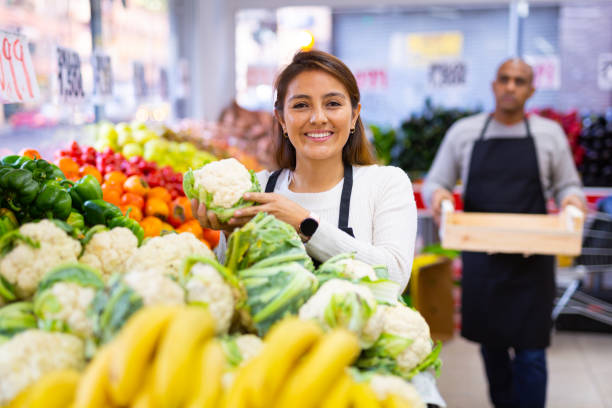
x=116, y=178
x=157, y=207
x=91, y=170
x=31, y=153
x=134, y=199
x=152, y=226
x=192, y=226
x=136, y=185
x=69, y=167
x=160, y=192
x=111, y=195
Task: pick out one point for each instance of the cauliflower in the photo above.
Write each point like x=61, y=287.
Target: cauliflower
x=220, y=186
x=109, y=250
x=206, y=285
x=24, y=266
x=355, y=269
x=165, y=254
x=405, y=322
x=341, y=303
x=126, y=294
x=74, y=301
x=404, y=347
x=249, y=346
x=155, y=288
x=384, y=385
x=31, y=354
x=64, y=296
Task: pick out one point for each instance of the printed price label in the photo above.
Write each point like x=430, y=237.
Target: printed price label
x=17, y=77
x=103, y=75
x=69, y=77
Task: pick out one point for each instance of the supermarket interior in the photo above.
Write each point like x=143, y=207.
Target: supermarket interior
x=306, y=203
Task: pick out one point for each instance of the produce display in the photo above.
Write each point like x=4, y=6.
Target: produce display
x=138, y=140
x=143, y=191
x=265, y=328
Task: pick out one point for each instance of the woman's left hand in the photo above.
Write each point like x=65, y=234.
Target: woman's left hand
x=278, y=205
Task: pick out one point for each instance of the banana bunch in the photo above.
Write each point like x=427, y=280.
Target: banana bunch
x=167, y=357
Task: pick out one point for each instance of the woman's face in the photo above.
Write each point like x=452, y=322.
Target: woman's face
x=317, y=115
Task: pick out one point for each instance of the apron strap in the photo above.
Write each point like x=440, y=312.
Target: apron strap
x=271, y=184
x=528, y=127
x=345, y=199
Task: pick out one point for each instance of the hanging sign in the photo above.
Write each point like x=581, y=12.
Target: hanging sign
x=103, y=75
x=17, y=77
x=546, y=71
x=69, y=76
x=139, y=80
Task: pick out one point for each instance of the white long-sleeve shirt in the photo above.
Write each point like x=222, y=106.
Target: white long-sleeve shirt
x=382, y=215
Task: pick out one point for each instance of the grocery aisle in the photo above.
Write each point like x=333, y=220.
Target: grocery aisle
x=580, y=368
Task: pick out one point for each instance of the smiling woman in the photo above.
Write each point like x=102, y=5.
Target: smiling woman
x=328, y=186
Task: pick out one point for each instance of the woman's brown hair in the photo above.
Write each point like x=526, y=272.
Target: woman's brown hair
x=357, y=149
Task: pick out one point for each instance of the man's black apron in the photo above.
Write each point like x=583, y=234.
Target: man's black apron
x=507, y=299
x=345, y=198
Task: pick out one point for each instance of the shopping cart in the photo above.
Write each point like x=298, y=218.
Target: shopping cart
x=594, y=261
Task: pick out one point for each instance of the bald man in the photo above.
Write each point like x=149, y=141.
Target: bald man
x=512, y=163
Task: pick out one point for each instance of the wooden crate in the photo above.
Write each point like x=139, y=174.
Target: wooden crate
x=513, y=233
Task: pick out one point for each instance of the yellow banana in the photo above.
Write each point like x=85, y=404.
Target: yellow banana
x=134, y=349
x=315, y=374
x=92, y=391
x=395, y=401
x=53, y=390
x=177, y=352
x=284, y=345
x=206, y=388
x=363, y=396
x=339, y=396
x=19, y=400
x=144, y=396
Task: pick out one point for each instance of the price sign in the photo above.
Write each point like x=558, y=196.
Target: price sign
x=69, y=77
x=140, y=82
x=103, y=75
x=17, y=77
x=447, y=74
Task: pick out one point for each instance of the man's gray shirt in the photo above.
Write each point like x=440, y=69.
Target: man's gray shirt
x=558, y=173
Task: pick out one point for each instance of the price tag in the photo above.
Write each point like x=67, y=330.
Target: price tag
x=103, y=75
x=69, y=77
x=17, y=77
x=140, y=82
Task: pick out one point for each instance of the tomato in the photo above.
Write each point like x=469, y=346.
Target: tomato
x=180, y=211
x=191, y=226
x=134, y=212
x=111, y=195
x=115, y=178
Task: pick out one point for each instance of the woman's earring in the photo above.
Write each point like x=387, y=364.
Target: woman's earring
x=286, y=135
x=352, y=131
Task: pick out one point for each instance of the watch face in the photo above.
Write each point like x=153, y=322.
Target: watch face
x=308, y=226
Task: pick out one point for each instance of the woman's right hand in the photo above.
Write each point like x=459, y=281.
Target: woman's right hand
x=208, y=219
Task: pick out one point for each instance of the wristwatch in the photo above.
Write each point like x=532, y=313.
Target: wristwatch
x=308, y=226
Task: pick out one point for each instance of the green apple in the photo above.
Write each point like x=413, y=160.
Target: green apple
x=132, y=149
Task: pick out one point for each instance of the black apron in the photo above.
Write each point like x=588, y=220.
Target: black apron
x=345, y=198
x=507, y=299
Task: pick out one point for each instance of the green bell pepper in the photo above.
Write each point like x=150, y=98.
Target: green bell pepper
x=8, y=221
x=42, y=170
x=85, y=189
x=14, y=161
x=127, y=222
x=18, y=188
x=99, y=212
x=76, y=220
x=52, y=201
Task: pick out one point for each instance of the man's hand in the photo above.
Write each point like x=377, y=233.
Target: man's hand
x=574, y=200
x=440, y=195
